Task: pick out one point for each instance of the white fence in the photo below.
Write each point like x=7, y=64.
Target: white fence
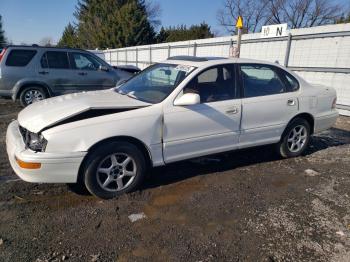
x=320, y=54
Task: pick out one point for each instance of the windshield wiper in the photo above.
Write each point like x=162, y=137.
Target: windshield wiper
x=131, y=95
x=120, y=92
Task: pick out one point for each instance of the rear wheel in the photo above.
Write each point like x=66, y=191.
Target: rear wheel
x=295, y=138
x=114, y=169
x=30, y=95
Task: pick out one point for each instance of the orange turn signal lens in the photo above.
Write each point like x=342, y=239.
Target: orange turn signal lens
x=28, y=165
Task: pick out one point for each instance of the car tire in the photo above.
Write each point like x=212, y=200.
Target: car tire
x=78, y=188
x=114, y=169
x=31, y=95
x=295, y=138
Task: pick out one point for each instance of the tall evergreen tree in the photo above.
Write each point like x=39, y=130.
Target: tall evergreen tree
x=135, y=28
x=163, y=35
x=112, y=23
x=2, y=34
x=69, y=38
x=182, y=33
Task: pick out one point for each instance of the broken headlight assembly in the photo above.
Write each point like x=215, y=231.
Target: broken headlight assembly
x=33, y=141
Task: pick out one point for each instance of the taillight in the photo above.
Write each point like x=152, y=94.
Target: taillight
x=334, y=104
x=2, y=53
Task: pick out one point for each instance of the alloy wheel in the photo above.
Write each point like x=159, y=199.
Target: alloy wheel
x=32, y=96
x=297, y=138
x=116, y=172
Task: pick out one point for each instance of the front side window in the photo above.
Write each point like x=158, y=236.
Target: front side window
x=84, y=62
x=55, y=60
x=20, y=57
x=155, y=83
x=214, y=84
x=261, y=80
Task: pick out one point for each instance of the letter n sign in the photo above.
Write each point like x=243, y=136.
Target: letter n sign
x=274, y=31
x=279, y=31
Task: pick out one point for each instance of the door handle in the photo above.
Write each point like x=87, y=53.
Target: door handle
x=291, y=102
x=232, y=111
x=43, y=72
x=82, y=73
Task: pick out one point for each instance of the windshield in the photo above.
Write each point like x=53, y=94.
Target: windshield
x=155, y=83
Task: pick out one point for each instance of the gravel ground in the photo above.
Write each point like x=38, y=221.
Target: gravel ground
x=243, y=206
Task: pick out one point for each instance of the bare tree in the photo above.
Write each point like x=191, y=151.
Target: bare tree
x=46, y=41
x=304, y=13
x=254, y=14
x=324, y=12
x=296, y=13
x=153, y=11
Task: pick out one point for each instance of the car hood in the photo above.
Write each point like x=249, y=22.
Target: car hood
x=52, y=111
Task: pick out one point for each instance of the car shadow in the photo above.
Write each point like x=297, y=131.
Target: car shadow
x=183, y=170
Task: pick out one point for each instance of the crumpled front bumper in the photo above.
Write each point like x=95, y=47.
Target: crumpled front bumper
x=55, y=168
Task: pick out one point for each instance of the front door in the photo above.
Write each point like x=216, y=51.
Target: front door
x=88, y=73
x=209, y=127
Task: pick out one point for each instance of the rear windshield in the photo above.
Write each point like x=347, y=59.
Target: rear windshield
x=20, y=57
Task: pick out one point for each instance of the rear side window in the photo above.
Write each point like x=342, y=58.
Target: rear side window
x=20, y=57
x=292, y=82
x=55, y=60
x=261, y=80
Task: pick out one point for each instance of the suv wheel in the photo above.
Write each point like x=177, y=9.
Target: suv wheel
x=114, y=169
x=30, y=95
x=295, y=138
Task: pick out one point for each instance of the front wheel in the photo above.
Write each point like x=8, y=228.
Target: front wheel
x=295, y=138
x=114, y=169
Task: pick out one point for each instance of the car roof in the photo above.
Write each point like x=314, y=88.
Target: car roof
x=43, y=47
x=211, y=61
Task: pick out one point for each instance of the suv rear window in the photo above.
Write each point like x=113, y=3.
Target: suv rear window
x=20, y=57
x=55, y=59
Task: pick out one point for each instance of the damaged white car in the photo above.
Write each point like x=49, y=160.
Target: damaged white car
x=182, y=108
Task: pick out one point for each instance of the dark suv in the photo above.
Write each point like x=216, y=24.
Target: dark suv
x=32, y=73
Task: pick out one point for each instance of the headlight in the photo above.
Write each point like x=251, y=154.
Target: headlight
x=36, y=142
x=33, y=141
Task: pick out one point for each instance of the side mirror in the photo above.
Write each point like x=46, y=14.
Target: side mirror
x=187, y=100
x=103, y=68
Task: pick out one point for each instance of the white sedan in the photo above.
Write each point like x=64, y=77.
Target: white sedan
x=182, y=108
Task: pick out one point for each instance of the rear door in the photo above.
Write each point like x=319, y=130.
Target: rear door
x=55, y=69
x=269, y=102
x=88, y=73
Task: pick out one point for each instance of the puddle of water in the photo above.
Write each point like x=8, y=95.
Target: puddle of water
x=284, y=181
x=171, y=196
x=144, y=253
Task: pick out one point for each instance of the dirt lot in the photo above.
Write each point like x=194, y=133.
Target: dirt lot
x=243, y=206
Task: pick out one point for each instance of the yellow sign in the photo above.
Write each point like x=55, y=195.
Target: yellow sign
x=239, y=23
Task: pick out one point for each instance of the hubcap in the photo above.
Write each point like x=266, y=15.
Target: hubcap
x=32, y=96
x=297, y=138
x=116, y=172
